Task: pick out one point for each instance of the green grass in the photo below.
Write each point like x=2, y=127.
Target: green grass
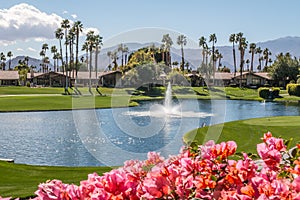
x=18, y=180
x=34, y=103
x=247, y=133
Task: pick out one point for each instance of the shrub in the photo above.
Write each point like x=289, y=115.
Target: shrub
x=28, y=84
x=268, y=93
x=275, y=92
x=264, y=92
x=293, y=89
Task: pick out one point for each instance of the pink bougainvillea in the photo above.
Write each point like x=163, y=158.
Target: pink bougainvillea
x=209, y=172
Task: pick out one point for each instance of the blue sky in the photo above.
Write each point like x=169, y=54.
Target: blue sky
x=259, y=20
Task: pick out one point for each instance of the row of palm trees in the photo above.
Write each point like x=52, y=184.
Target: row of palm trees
x=241, y=42
x=113, y=56
x=3, y=59
x=70, y=35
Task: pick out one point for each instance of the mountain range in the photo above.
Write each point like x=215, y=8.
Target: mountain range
x=194, y=56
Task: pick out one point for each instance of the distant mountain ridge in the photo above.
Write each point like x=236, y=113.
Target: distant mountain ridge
x=193, y=56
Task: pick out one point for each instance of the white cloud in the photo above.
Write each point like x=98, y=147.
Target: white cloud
x=31, y=49
x=65, y=12
x=20, y=49
x=86, y=30
x=23, y=21
x=74, y=16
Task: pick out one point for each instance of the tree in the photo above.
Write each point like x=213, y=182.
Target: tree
x=248, y=62
x=9, y=54
x=258, y=51
x=78, y=26
x=59, y=35
x=54, y=51
x=123, y=49
x=3, y=59
x=233, y=39
x=98, y=44
x=213, y=39
x=181, y=41
x=166, y=47
x=203, y=44
x=266, y=54
x=90, y=40
x=285, y=68
x=43, y=54
x=65, y=24
x=252, y=50
x=242, y=47
x=109, y=59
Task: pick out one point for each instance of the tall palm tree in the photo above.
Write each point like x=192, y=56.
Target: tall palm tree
x=233, y=39
x=258, y=51
x=121, y=49
x=85, y=47
x=26, y=59
x=109, y=59
x=203, y=44
x=152, y=50
x=42, y=54
x=181, y=40
x=9, y=54
x=98, y=44
x=247, y=62
x=59, y=35
x=54, y=51
x=3, y=59
x=266, y=54
x=90, y=39
x=252, y=48
x=213, y=39
x=242, y=42
x=65, y=24
x=78, y=27
x=167, y=44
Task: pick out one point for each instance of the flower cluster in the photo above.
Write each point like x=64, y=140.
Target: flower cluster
x=212, y=171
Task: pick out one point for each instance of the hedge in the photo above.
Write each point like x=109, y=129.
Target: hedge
x=293, y=89
x=268, y=93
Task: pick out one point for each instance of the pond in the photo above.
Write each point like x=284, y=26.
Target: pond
x=111, y=136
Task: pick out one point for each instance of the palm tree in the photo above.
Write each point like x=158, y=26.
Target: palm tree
x=109, y=57
x=78, y=26
x=213, y=39
x=247, y=62
x=59, y=35
x=3, y=59
x=54, y=51
x=258, y=51
x=65, y=24
x=26, y=59
x=42, y=54
x=9, y=54
x=242, y=47
x=181, y=40
x=98, y=44
x=167, y=44
x=266, y=54
x=203, y=44
x=90, y=40
x=121, y=48
x=233, y=39
x=252, y=49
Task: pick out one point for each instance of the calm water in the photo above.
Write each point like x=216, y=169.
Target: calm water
x=111, y=136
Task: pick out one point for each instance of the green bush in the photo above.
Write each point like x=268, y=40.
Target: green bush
x=275, y=92
x=28, y=84
x=264, y=92
x=293, y=89
x=268, y=93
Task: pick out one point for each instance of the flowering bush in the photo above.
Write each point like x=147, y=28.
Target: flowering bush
x=210, y=171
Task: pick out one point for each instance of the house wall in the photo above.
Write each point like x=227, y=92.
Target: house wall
x=9, y=82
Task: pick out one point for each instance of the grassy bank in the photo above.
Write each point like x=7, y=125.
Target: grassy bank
x=29, y=99
x=247, y=133
x=22, y=180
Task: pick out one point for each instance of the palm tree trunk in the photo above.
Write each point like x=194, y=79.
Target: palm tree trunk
x=252, y=60
x=234, y=61
x=182, y=59
x=96, y=62
x=90, y=72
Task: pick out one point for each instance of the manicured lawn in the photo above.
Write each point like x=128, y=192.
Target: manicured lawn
x=247, y=133
x=22, y=180
x=28, y=103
